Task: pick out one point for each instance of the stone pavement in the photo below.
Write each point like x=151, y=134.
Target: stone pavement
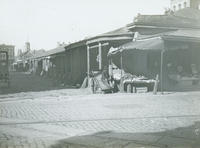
x=64, y=118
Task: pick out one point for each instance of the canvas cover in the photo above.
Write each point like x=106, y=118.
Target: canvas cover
x=156, y=44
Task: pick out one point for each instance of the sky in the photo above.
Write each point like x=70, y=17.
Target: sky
x=44, y=23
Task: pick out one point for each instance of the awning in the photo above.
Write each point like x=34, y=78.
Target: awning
x=145, y=44
x=155, y=43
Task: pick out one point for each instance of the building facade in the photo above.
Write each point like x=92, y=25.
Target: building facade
x=27, y=47
x=11, y=52
x=181, y=4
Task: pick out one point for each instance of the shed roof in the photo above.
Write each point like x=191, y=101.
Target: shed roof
x=186, y=18
x=119, y=31
x=76, y=44
x=122, y=33
x=187, y=33
x=54, y=51
x=157, y=43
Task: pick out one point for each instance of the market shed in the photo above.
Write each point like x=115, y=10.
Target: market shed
x=141, y=57
x=98, y=47
x=76, y=62
x=161, y=55
x=54, y=63
x=50, y=63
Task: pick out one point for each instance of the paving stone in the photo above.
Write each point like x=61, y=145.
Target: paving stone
x=55, y=115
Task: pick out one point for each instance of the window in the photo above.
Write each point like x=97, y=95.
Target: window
x=2, y=56
x=179, y=6
x=174, y=8
x=185, y=4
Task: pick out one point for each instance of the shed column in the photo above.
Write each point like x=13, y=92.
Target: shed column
x=88, y=63
x=161, y=71
x=100, y=56
x=121, y=62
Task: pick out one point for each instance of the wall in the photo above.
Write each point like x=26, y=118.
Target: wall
x=76, y=65
x=195, y=4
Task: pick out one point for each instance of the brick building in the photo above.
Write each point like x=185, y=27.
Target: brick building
x=11, y=52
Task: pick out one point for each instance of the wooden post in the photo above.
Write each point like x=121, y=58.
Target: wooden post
x=100, y=56
x=161, y=71
x=129, y=88
x=88, y=64
x=110, y=68
x=134, y=89
x=121, y=82
x=121, y=59
x=155, y=88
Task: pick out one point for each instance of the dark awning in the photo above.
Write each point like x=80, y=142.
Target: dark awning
x=155, y=43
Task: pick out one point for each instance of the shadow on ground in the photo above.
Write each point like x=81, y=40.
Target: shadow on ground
x=183, y=137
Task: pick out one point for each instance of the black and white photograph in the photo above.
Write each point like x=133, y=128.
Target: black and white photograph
x=99, y=73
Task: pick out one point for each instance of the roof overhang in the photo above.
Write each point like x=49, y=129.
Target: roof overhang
x=156, y=27
x=76, y=44
x=184, y=35
x=106, y=39
x=181, y=39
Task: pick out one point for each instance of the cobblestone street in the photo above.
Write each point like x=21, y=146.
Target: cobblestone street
x=41, y=119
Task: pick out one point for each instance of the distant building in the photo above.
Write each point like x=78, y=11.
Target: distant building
x=23, y=54
x=11, y=52
x=19, y=52
x=28, y=47
x=181, y=4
